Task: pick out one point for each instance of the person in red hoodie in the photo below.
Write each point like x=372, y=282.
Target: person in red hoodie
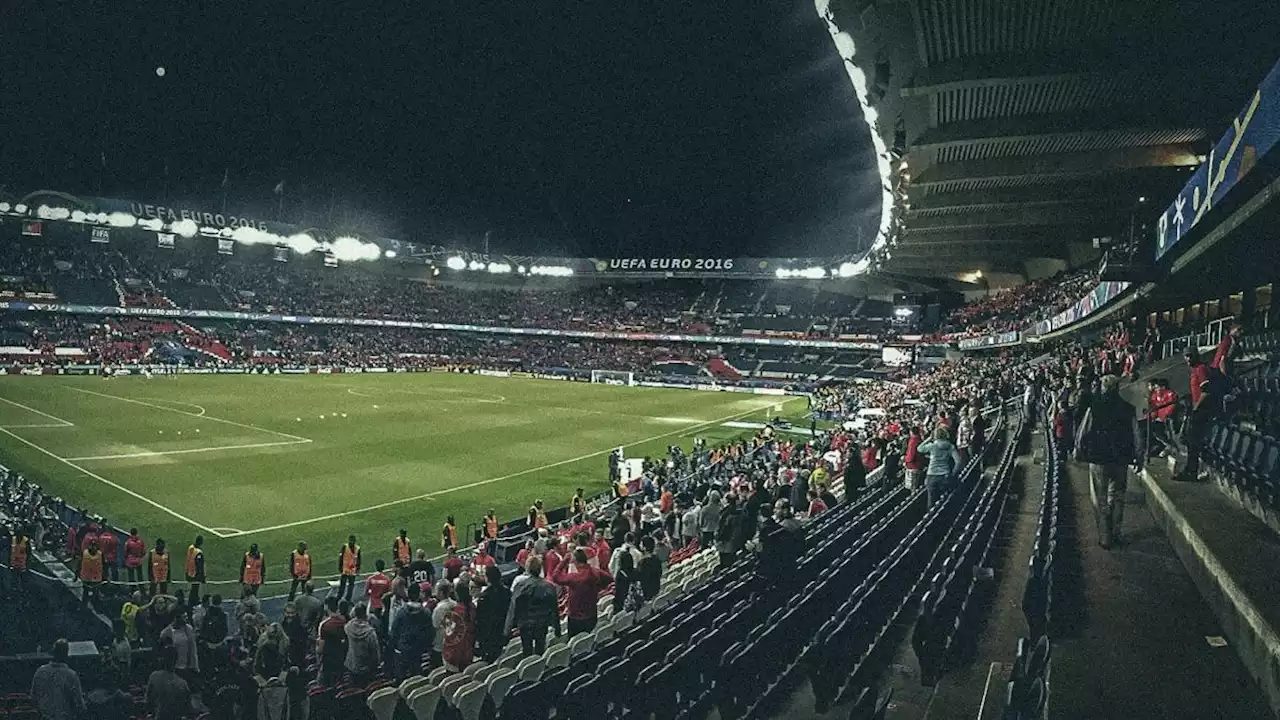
x=108, y=544
x=551, y=560
x=604, y=553
x=913, y=461
x=583, y=584
x=134, y=551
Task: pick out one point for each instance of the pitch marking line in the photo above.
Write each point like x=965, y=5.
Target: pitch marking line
x=117, y=486
x=60, y=422
x=37, y=425
x=157, y=453
x=489, y=481
x=189, y=414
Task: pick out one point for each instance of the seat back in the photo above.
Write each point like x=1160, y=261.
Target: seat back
x=470, y=699
x=499, y=683
x=423, y=702
x=559, y=657
x=382, y=703
x=531, y=668
x=410, y=684
x=451, y=685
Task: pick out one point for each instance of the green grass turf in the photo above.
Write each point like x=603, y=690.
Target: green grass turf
x=412, y=449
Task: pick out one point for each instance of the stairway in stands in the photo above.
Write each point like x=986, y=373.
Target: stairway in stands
x=720, y=368
x=202, y=343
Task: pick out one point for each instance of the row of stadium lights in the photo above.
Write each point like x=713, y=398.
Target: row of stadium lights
x=846, y=48
x=502, y=268
x=343, y=248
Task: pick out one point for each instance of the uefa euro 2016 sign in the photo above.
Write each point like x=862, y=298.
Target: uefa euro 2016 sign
x=667, y=263
x=1252, y=134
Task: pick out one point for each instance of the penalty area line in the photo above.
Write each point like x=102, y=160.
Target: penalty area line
x=156, y=453
x=490, y=481
x=60, y=422
x=117, y=486
x=188, y=414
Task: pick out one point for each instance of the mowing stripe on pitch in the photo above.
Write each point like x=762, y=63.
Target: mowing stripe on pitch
x=117, y=486
x=155, y=453
x=28, y=408
x=490, y=481
x=188, y=414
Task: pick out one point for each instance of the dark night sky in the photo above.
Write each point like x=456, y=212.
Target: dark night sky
x=584, y=128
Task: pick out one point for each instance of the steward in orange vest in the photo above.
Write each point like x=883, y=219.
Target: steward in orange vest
x=449, y=534
x=299, y=568
x=91, y=571
x=491, y=526
x=401, y=550
x=158, y=568
x=348, y=567
x=253, y=569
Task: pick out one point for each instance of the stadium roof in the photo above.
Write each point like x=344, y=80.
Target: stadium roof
x=1029, y=127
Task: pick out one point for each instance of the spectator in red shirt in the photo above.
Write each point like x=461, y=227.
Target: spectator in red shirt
x=914, y=462
x=551, y=560
x=134, y=551
x=604, y=553
x=583, y=584
x=453, y=565
x=481, y=560
x=107, y=543
x=1201, y=411
x=376, y=586
x=1224, y=356
x=871, y=456
x=522, y=557
x=816, y=505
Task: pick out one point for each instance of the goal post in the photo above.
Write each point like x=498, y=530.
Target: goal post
x=613, y=377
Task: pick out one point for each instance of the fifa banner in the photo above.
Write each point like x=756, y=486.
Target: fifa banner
x=100, y=235
x=18, y=306
x=165, y=240
x=225, y=246
x=1099, y=296
x=1253, y=133
x=1004, y=339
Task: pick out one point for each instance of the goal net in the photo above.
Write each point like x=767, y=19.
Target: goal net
x=613, y=377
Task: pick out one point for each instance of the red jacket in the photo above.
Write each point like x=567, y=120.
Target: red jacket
x=583, y=584
x=134, y=551
x=1164, y=399
x=107, y=543
x=913, y=460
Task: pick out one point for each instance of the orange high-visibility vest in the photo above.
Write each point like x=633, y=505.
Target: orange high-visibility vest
x=491, y=527
x=301, y=564
x=403, y=551
x=192, y=553
x=159, y=566
x=91, y=566
x=21, y=548
x=449, y=537
x=252, y=569
x=349, y=557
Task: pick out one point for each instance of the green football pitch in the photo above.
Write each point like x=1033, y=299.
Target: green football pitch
x=278, y=459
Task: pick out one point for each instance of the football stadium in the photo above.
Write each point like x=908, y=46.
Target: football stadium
x=866, y=359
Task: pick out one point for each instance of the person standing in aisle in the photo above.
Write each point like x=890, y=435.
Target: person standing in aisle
x=1109, y=442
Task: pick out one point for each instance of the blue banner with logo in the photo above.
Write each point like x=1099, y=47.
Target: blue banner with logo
x=1251, y=136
